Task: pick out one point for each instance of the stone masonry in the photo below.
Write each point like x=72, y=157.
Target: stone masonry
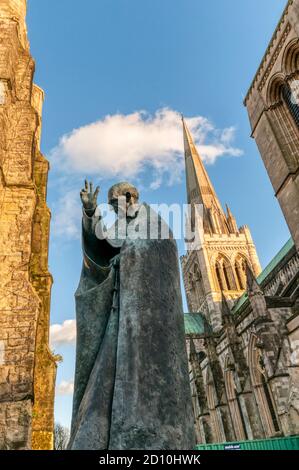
x=273, y=107
x=244, y=367
x=27, y=367
x=244, y=378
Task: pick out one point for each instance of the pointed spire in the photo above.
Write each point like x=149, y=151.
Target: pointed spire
x=252, y=284
x=199, y=187
x=231, y=221
x=255, y=294
x=229, y=212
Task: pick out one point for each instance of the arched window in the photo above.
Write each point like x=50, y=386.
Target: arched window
x=234, y=401
x=199, y=399
x=216, y=422
x=291, y=58
x=270, y=403
x=239, y=275
x=224, y=274
x=240, y=270
x=220, y=280
x=262, y=390
x=283, y=113
x=290, y=97
x=227, y=279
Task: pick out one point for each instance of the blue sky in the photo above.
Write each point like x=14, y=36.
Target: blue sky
x=121, y=57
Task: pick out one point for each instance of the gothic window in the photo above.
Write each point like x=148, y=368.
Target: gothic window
x=216, y=424
x=291, y=57
x=290, y=97
x=199, y=398
x=290, y=91
x=227, y=280
x=238, y=400
x=221, y=284
x=240, y=270
x=284, y=114
x=262, y=391
x=238, y=274
x=270, y=403
x=234, y=401
x=224, y=274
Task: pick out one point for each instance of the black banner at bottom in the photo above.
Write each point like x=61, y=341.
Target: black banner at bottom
x=134, y=459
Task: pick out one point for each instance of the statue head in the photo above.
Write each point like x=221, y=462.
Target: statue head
x=123, y=195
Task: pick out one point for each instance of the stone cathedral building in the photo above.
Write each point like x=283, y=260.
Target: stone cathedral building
x=225, y=249
x=272, y=105
x=243, y=333
x=27, y=367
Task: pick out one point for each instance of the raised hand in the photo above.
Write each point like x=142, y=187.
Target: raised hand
x=89, y=198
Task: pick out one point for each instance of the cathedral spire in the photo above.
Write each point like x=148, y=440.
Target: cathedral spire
x=252, y=284
x=200, y=189
x=231, y=221
x=223, y=251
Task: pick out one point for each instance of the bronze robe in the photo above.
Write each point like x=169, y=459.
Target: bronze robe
x=131, y=381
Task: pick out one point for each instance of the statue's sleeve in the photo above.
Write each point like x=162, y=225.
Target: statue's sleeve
x=95, y=250
x=94, y=297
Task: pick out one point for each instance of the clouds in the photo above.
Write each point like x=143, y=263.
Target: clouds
x=125, y=145
x=65, y=388
x=146, y=149
x=63, y=334
x=67, y=215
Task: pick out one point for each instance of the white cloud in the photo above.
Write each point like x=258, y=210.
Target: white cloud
x=124, y=145
x=67, y=215
x=65, y=388
x=63, y=334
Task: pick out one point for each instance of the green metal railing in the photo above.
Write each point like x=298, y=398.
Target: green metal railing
x=283, y=443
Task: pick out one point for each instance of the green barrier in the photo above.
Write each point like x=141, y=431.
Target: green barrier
x=283, y=443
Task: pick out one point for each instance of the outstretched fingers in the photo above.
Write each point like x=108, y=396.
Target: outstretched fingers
x=88, y=189
x=97, y=191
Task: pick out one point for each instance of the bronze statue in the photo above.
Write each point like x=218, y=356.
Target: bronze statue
x=131, y=382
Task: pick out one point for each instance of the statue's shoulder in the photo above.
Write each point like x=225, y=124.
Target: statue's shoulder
x=158, y=226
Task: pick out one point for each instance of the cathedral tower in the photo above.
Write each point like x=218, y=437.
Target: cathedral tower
x=272, y=103
x=219, y=262
x=27, y=367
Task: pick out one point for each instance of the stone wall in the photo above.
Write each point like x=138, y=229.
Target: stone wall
x=27, y=371
x=248, y=371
